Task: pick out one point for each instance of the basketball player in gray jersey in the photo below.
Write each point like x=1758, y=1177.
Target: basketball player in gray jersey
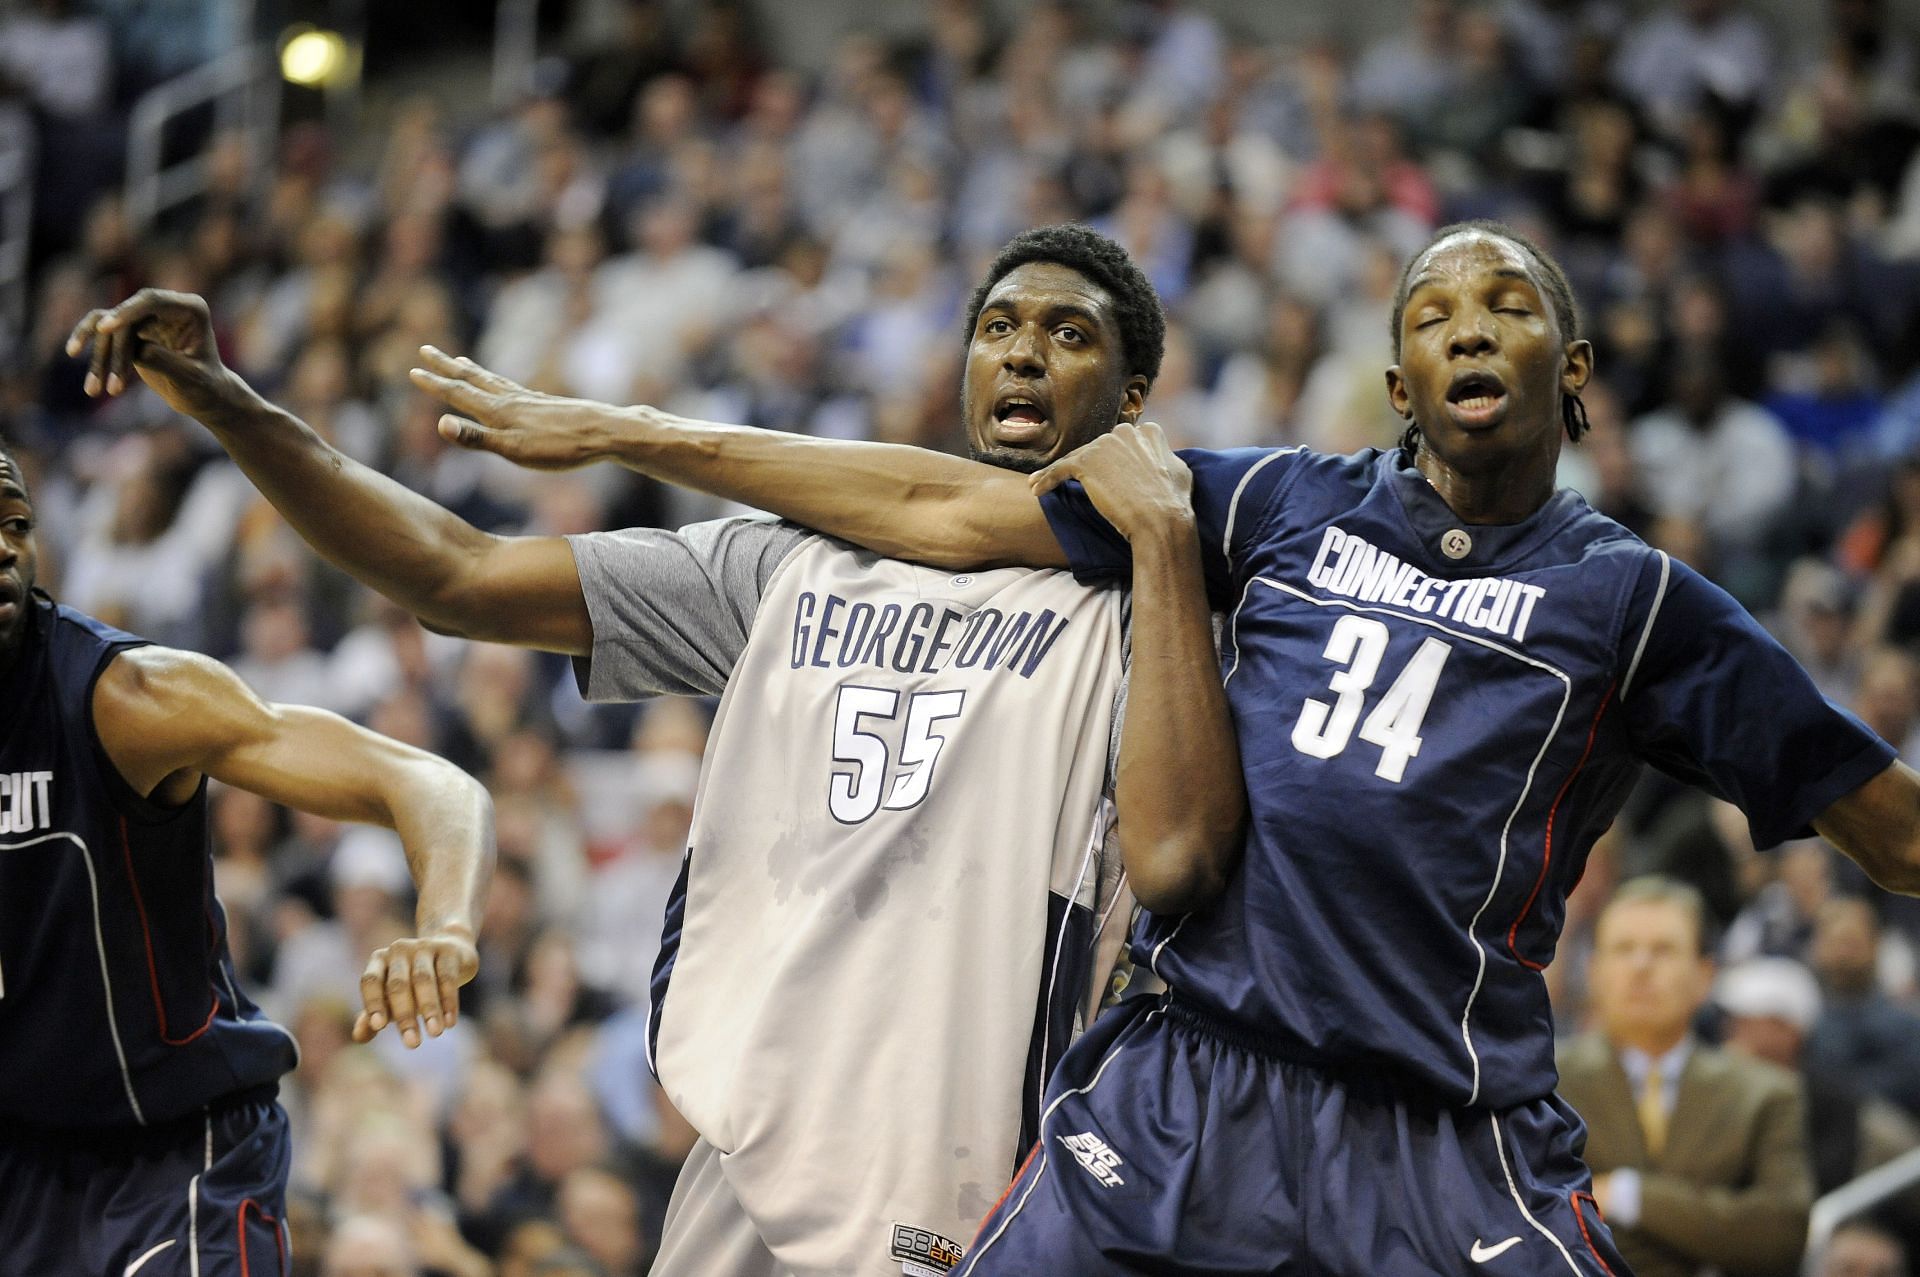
x=888, y=920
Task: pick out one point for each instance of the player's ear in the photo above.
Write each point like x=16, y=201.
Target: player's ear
x=1579, y=368
x=1133, y=398
x=1397, y=393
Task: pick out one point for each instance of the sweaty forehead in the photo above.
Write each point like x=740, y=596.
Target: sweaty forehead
x=1049, y=283
x=1468, y=256
x=12, y=482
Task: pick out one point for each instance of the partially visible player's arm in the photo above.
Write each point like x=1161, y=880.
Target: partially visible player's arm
x=906, y=503
x=1179, y=791
x=1878, y=825
x=166, y=717
x=454, y=577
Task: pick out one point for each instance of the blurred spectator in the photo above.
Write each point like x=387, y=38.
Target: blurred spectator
x=1863, y=1038
x=1770, y=1005
x=1714, y=458
x=1778, y=920
x=1411, y=71
x=1814, y=622
x=1687, y=51
x=369, y=1246
x=1699, y=1154
x=1860, y=1248
x=63, y=59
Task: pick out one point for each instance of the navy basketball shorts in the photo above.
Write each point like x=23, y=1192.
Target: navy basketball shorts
x=202, y=1196
x=1167, y=1147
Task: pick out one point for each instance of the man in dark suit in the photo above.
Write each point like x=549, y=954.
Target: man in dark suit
x=1699, y=1155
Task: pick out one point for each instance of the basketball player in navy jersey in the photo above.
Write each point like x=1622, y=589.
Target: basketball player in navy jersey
x=1445, y=676
x=139, y=1133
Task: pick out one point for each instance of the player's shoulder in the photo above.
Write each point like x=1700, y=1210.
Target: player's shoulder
x=73, y=624
x=152, y=681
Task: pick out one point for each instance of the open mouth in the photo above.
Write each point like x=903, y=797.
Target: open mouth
x=1477, y=398
x=1018, y=419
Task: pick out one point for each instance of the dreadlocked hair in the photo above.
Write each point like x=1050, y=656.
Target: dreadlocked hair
x=1554, y=282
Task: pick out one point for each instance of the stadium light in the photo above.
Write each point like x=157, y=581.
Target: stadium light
x=313, y=57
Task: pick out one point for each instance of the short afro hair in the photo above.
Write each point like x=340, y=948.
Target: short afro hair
x=1553, y=280
x=8, y=455
x=1136, y=307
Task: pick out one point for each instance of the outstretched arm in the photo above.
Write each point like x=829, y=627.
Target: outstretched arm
x=166, y=717
x=1878, y=825
x=1179, y=790
x=906, y=503
x=454, y=577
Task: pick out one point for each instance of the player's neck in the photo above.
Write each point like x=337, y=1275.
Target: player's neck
x=1508, y=492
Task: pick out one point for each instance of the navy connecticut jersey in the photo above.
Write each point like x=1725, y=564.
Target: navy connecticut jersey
x=1436, y=721
x=118, y=1005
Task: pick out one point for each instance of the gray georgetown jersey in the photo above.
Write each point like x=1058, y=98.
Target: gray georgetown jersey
x=900, y=871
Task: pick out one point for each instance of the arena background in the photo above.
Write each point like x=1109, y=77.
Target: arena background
x=771, y=213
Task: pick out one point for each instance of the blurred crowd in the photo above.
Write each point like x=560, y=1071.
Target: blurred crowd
x=675, y=214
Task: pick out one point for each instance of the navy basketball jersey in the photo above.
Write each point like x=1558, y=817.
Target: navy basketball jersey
x=117, y=999
x=1436, y=721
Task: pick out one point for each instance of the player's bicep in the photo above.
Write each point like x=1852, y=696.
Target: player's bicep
x=525, y=591
x=161, y=713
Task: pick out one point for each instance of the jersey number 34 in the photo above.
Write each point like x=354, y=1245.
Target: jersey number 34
x=1358, y=643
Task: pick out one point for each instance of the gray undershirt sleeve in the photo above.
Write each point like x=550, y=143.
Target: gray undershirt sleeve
x=672, y=610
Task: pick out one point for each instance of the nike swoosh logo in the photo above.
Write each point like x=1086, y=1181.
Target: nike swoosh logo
x=141, y=1262
x=1481, y=1254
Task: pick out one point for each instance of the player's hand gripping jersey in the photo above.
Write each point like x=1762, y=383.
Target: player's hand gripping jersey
x=1437, y=720
x=898, y=863
x=118, y=1005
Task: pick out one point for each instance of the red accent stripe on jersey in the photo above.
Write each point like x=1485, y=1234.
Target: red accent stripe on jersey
x=1011, y=1184
x=1580, y=1218
x=153, y=971
x=1546, y=859
x=273, y=1222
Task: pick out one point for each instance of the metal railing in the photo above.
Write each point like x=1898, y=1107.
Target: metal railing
x=243, y=88
x=16, y=223
x=1855, y=1196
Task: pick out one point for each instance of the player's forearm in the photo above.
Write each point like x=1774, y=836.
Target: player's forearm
x=906, y=503
x=445, y=821
x=396, y=541
x=1179, y=790
x=1878, y=827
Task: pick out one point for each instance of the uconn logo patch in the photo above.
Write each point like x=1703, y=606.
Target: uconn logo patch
x=1096, y=1158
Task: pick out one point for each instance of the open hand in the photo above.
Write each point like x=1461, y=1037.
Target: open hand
x=164, y=336
x=416, y=978
x=501, y=416
x=1132, y=477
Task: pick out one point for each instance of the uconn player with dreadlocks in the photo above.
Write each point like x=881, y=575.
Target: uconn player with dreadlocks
x=1445, y=676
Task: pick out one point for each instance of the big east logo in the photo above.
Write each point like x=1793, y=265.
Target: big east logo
x=925, y=1254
